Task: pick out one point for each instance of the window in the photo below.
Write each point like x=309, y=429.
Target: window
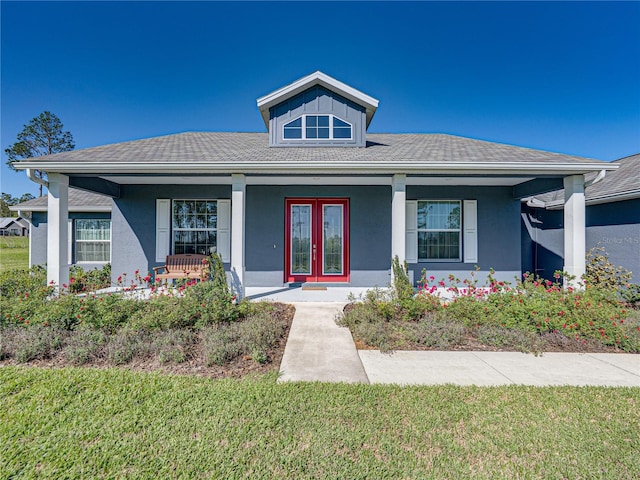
x=93, y=241
x=317, y=127
x=439, y=232
x=195, y=225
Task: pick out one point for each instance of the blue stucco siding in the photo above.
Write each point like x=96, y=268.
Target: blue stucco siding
x=317, y=100
x=370, y=231
x=38, y=232
x=133, y=222
x=614, y=226
x=498, y=235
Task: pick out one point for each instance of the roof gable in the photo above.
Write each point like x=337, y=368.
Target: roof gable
x=272, y=99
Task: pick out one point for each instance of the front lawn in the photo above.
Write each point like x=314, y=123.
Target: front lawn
x=14, y=253
x=87, y=423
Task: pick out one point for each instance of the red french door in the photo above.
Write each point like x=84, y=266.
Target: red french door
x=317, y=240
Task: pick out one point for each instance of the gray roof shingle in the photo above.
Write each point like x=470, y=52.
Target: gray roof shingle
x=236, y=148
x=623, y=181
x=79, y=200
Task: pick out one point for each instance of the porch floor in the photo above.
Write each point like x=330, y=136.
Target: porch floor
x=294, y=294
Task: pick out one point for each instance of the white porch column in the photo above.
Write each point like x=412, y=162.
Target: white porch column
x=238, y=193
x=398, y=216
x=574, y=227
x=58, y=230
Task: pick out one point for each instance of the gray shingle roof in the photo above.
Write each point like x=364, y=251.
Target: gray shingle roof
x=625, y=181
x=236, y=148
x=5, y=222
x=79, y=200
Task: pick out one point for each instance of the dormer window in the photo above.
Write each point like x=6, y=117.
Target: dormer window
x=317, y=127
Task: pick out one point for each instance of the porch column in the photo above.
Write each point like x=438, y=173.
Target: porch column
x=58, y=230
x=574, y=227
x=238, y=192
x=398, y=216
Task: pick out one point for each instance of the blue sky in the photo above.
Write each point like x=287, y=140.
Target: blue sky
x=563, y=77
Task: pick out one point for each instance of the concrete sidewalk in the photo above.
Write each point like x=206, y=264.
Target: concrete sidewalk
x=320, y=350
x=502, y=368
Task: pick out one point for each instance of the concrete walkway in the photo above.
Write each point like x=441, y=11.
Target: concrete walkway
x=319, y=350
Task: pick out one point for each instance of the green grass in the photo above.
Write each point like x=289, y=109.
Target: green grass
x=14, y=253
x=85, y=423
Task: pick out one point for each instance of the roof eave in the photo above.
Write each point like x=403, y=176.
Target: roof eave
x=344, y=168
x=72, y=208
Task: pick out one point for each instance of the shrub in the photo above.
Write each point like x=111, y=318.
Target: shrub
x=15, y=283
x=631, y=295
x=84, y=345
x=81, y=280
x=172, y=346
x=436, y=333
x=127, y=344
x=401, y=282
x=34, y=343
x=510, y=338
x=374, y=334
x=603, y=274
x=260, y=332
x=220, y=343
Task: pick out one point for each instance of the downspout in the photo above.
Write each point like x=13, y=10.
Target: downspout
x=32, y=176
x=597, y=179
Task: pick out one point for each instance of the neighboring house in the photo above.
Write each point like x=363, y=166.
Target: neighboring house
x=612, y=221
x=316, y=198
x=14, y=226
x=88, y=229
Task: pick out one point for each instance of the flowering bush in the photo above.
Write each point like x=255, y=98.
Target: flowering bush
x=532, y=305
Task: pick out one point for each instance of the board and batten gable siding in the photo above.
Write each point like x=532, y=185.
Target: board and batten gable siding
x=317, y=100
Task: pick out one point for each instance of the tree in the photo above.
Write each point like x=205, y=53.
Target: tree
x=43, y=135
x=6, y=200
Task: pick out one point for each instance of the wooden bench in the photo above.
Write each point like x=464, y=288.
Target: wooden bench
x=186, y=265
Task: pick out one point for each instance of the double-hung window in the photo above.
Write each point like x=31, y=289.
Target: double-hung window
x=92, y=240
x=439, y=232
x=194, y=226
x=317, y=127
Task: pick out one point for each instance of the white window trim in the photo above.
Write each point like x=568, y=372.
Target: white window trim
x=459, y=230
x=174, y=229
x=304, y=128
x=74, y=236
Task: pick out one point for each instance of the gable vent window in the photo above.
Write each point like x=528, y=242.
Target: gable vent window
x=317, y=127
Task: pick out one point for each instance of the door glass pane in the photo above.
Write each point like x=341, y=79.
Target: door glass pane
x=301, y=239
x=332, y=239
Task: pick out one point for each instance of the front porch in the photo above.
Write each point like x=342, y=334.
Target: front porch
x=254, y=235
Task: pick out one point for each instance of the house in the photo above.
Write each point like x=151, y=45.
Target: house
x=612, y=221
x=88, y=229
x=316, y=198
x=14, y=226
